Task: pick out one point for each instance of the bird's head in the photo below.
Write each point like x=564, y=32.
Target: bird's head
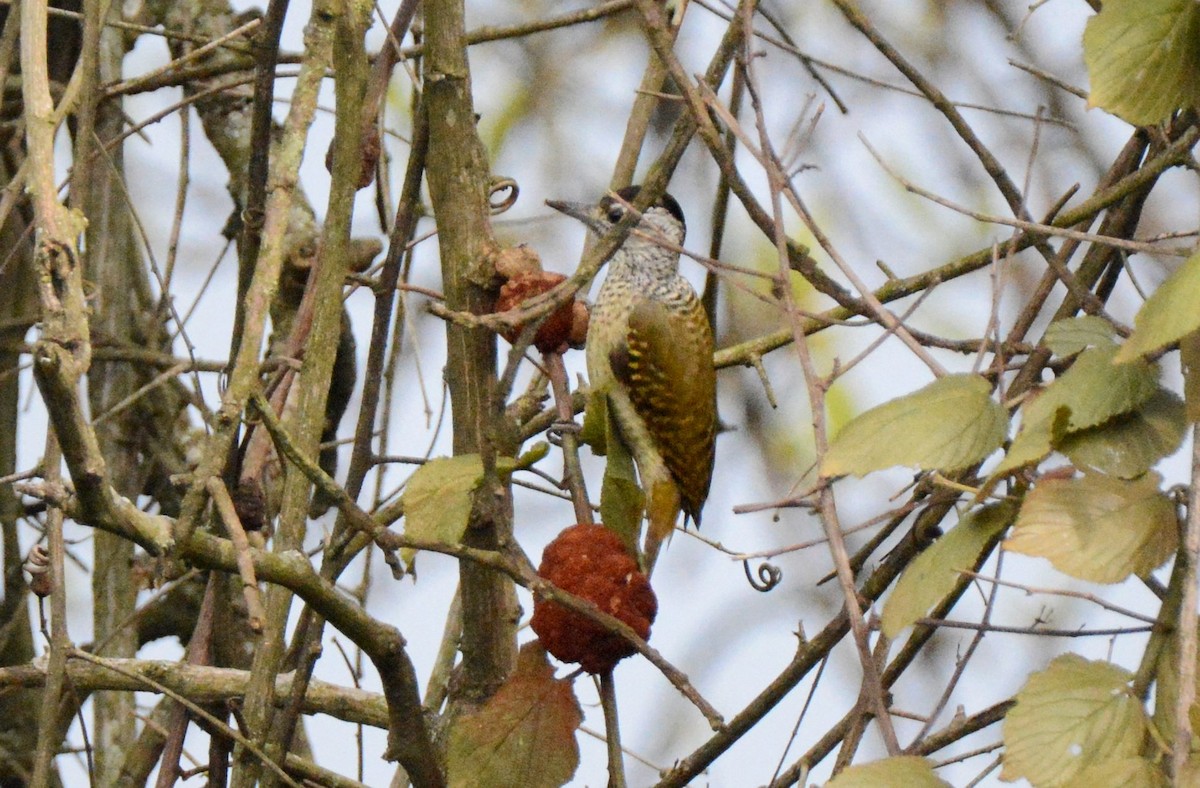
x=663, y=220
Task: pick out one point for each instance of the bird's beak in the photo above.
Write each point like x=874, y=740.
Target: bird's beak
x=584, y=212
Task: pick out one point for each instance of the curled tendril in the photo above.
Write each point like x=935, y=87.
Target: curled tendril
x=555, y=432
x=37, y=566
x=507, y=189
x=768, y=576
x=38, y=560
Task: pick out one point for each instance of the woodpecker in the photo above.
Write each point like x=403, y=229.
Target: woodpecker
x=650, y=355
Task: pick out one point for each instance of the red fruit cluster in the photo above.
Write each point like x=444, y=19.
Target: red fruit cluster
x=552, y=334
x=558, y=331
x=590, y=562
x=521, y=269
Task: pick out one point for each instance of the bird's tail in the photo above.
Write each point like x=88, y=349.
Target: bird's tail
x=662, y=510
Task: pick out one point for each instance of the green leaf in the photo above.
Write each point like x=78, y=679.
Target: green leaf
x=595, y=425
x=1129, y=445
x=933, y=574
x=536, y=453
x=1069, y=717
x=948, y=425
x=1096, y=527
x=1091, y=392
x=1169, y=313
x=1094, y=390
x=1035, y=440
x=524, y=735
x=1143, y=58
x=1071, y=335
x=621, y=498
x=437, y=500
x=1122, y=773
x=902, y=771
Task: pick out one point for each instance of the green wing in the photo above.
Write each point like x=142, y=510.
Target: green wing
x=666, y=366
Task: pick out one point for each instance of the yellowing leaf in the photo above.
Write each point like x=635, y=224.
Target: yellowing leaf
x=1129, y=445
x=1143, y=58
x=1091, y=392
x=1094, y=390
x=1071, y=716
x=949, y=424
x=903, y=771
x=437, y=498
x=524, y=735
x=1069, y=336
x=1122, y=773
x=1170, y=312
x=934, y=572
x=1097, y=528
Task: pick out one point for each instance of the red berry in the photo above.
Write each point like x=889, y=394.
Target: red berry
x=554, y=335
x=590, y=562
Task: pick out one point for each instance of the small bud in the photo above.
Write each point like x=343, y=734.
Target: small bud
x=590, y=562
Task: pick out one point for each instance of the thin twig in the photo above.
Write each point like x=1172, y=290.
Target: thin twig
x=60, y=639
x=812, y=692
x=1028, y=226
x=1048, y=77
x=769, y=161
x=163, y=378
x=572, y=471
x=134, y=85
x=241, y=546
x=872, y=686
x=1189, y=554
x=1030, y=590
x=612, y=731
x=960, y=665
x=1034, y=630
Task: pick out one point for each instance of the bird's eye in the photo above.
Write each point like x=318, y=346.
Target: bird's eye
x=615, y=212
